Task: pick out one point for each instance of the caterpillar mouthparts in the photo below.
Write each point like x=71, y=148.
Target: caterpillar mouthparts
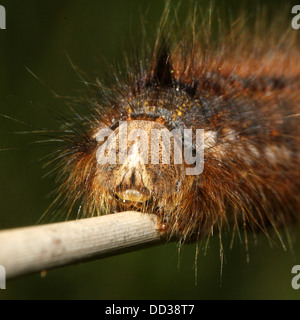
x=241, y=91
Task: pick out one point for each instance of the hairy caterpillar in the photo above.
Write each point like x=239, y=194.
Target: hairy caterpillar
x=241, y=86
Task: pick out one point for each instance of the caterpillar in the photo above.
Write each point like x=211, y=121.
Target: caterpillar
x=240, y=84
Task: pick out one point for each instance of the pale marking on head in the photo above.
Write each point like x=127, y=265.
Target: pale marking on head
x=254, y=151
x=209, y=139
x=231, y=135
x=275, y=154
x=134, y=158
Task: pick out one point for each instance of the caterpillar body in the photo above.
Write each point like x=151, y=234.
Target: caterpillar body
x=241, y=87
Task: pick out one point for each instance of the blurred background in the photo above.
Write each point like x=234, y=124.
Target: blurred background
x=39, y=36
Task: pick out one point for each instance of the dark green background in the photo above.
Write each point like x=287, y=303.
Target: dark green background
x=38, y=36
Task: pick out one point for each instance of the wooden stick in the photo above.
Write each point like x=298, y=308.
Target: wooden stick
x=34, y=249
